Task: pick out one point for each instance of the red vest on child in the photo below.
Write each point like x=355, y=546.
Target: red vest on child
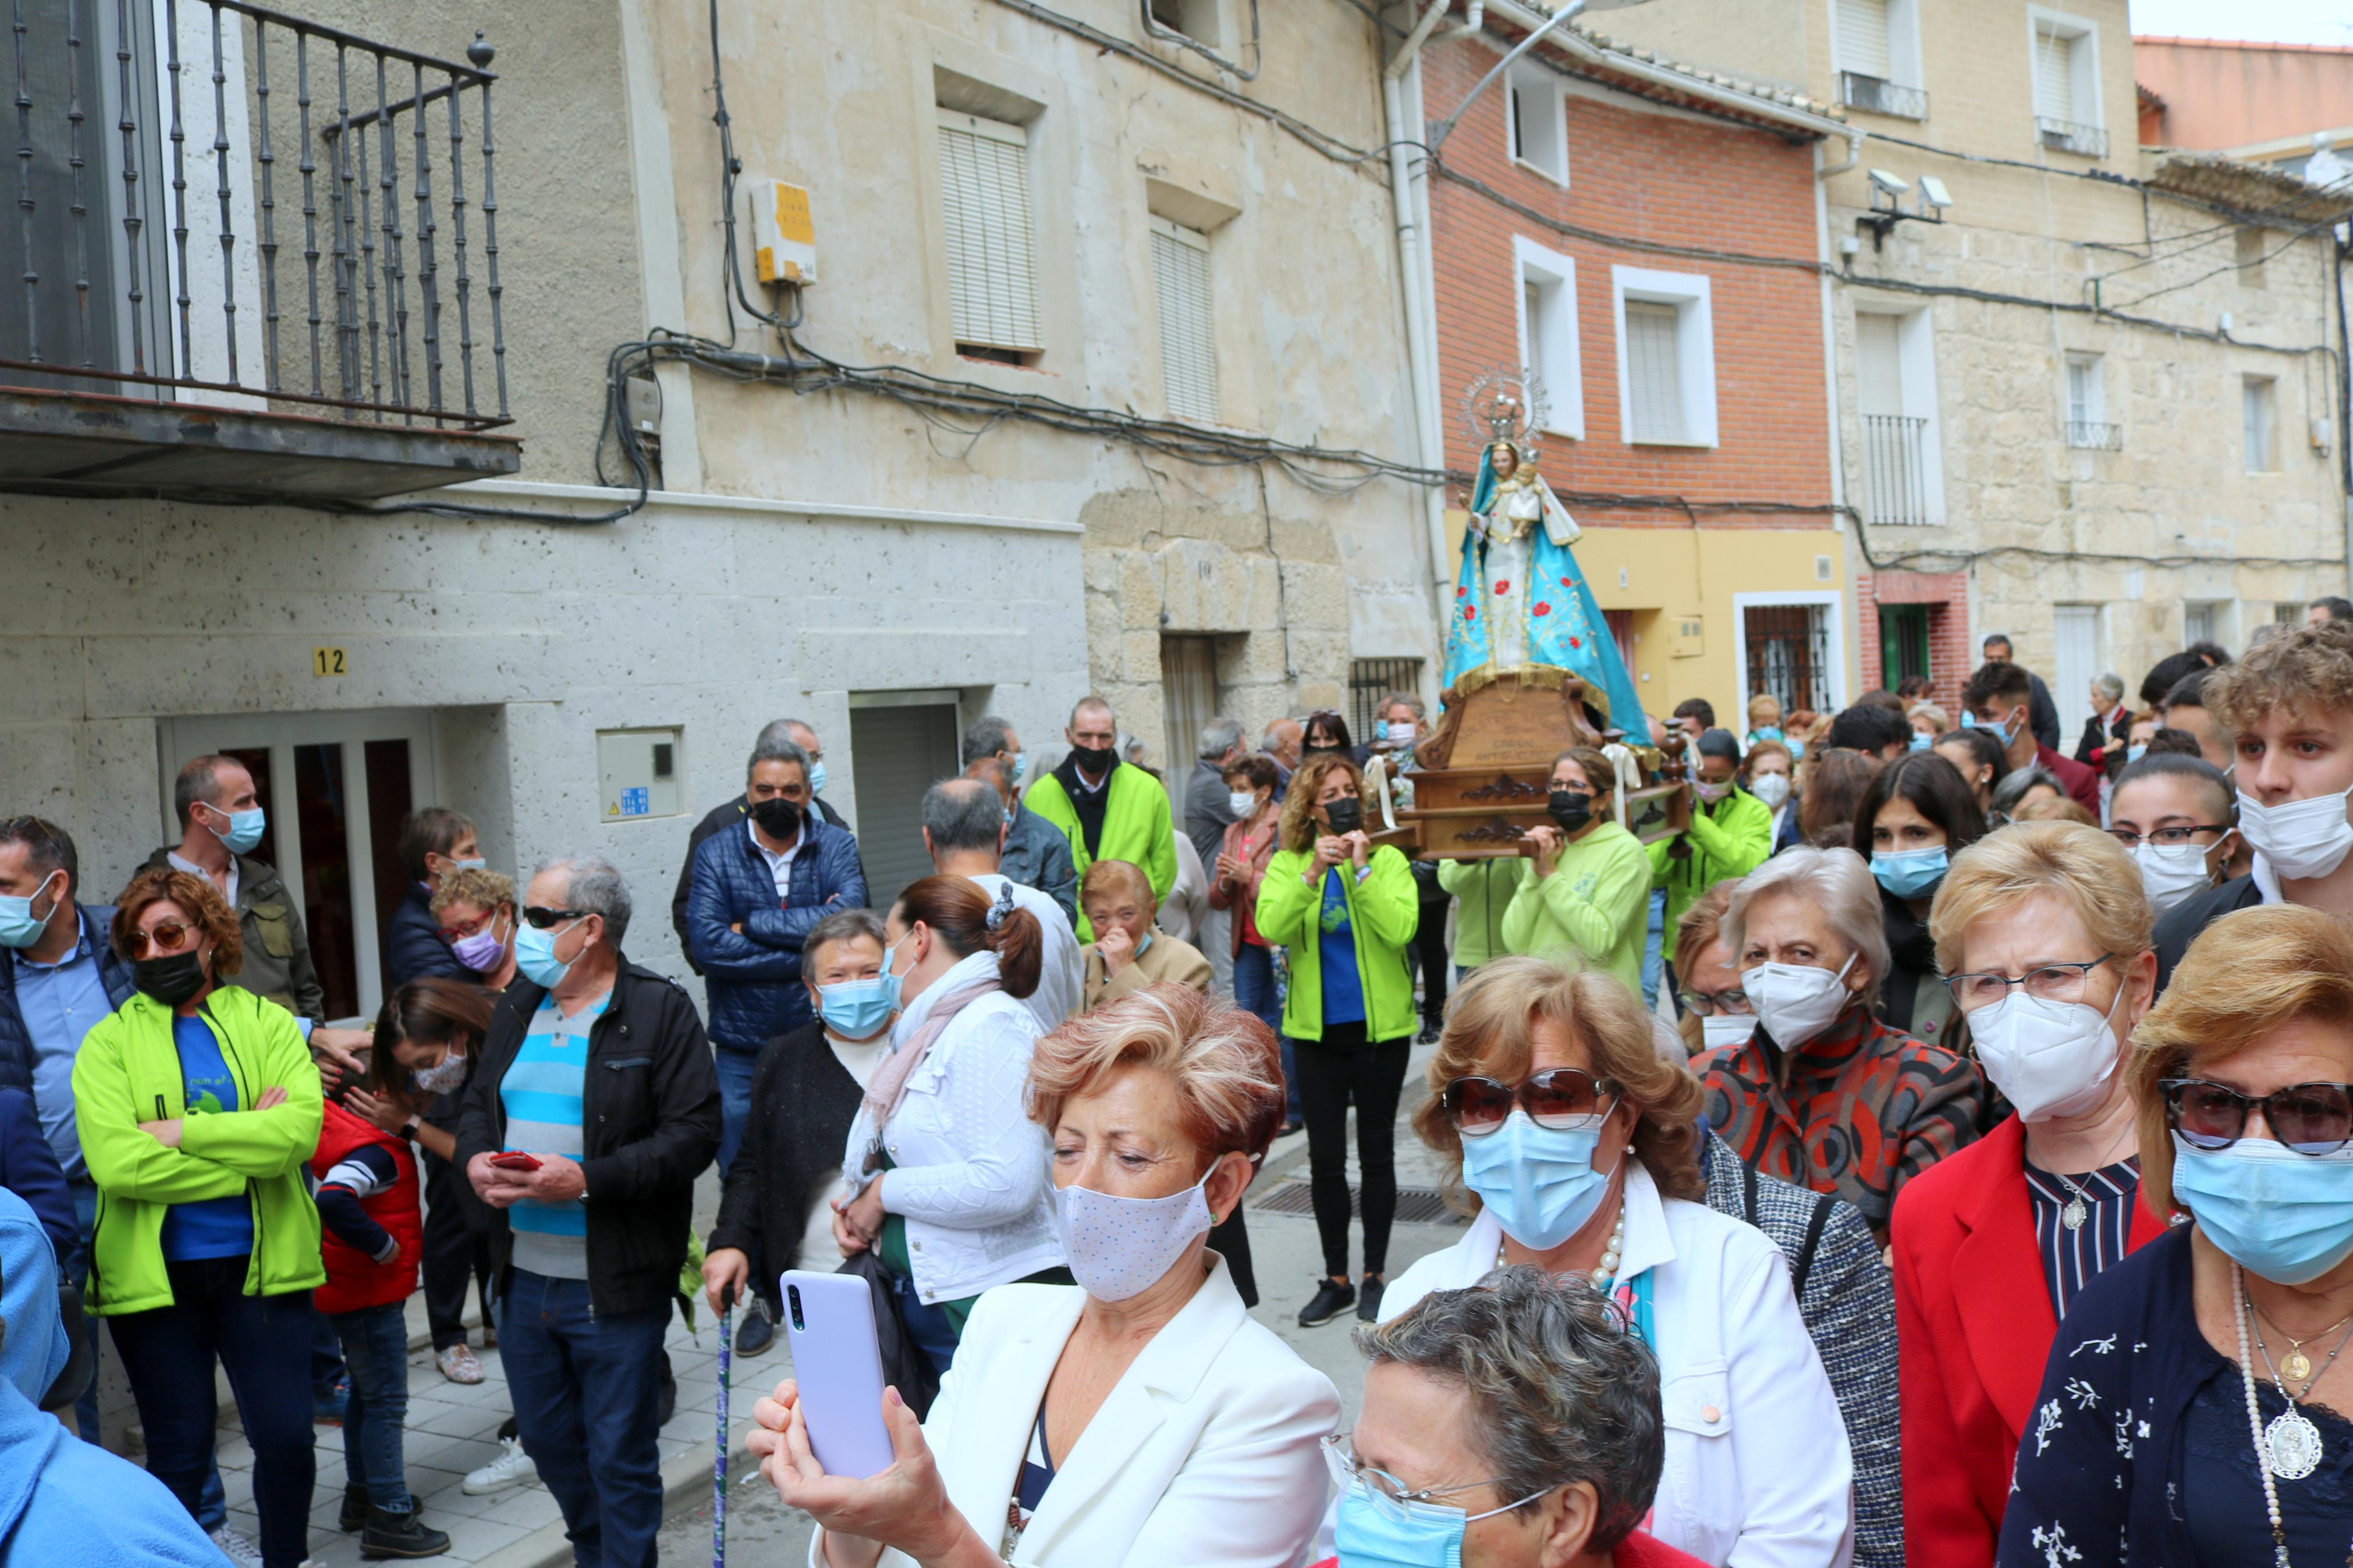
x=354, y=1279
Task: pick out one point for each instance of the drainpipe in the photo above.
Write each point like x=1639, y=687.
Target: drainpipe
x=1421, y=373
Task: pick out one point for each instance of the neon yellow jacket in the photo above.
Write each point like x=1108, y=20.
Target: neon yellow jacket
x=1731, y=838
x=1382, y=911
x=1592, y=911
x=1135, y=829
x=1482, y=891
x=127, y=1072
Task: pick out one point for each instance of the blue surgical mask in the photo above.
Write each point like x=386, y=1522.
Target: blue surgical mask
x=2285, y=1216
x=856, y=1009
x=1143, y=944
x=1371, y=1533
x=1539, y=1181
x=20, y=926
x=476, y=865
x=244, y=832
x=1020, y=765
x=893, y=984
x=1771, y=732
x=1008, y=816
x=1922, y=740
x=1908, y=873
x=2136, y=751
x=816, y=777
x=535, y=956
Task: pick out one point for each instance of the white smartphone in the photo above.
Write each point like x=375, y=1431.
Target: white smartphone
x=830, y=1320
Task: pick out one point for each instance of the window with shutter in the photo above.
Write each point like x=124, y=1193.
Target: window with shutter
x=1548, y=341
x=1878, y=363
x=991, y=246
x=2054, y=75
x=2257, y=406
x=1188, y=353
x=1862, y=37
x=1654, y=370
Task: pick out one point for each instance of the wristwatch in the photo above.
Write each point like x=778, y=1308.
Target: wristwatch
x=408, y=1129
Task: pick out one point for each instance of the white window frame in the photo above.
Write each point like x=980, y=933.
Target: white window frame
x=1546, y=102
x=2089, y=105
x=1916, y=351
x=1550, y=345
x=1833, y=604
x=2094, y=409
x=2273, y=462
x=1689, y=293
x=1192, y=239
x=1904, y=68
x=1004, y=133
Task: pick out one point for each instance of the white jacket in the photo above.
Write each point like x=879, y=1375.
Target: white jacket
x=1204, y=1452
x=1758, y=1474
x=969, y=1166
x=1061, y=970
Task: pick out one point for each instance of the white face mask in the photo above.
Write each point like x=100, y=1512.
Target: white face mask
x=2301, y=838
x=1728, y=1029
x=1795, y=1001
x=2171, y=872
x=2048, y=1059
x=1772, y=789
x=1243, y=802
x=1119, y=1247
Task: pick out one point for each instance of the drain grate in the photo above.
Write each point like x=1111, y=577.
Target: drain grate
x=1415, y=1206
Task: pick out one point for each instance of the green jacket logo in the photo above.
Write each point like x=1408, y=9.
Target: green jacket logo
x=207, y=1104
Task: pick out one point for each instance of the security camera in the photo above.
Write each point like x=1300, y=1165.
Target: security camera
x=1880, y=179
x=1932, y=192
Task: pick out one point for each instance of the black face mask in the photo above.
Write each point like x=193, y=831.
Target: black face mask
x=1095, y=760
x=1346, y=815
x=777, y=817
x=1570, y=809
x=171, y=978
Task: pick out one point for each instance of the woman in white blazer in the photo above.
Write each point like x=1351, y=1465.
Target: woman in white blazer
x=1142, y=1419
x=1581, y=1145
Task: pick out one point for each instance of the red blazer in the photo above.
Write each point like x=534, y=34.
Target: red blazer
x=1974, y=1327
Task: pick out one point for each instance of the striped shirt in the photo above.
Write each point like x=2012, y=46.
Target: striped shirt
x=2073, y=1259
x=541, y=1095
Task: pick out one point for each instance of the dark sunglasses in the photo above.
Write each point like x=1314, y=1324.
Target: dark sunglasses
x=2309, y=1118
x=1557, y=1099
x=169, y=936
x=542, y=919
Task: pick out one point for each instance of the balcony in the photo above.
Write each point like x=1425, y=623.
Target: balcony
x=1876, y=95
x=1895, y=476
x=259, y=258
x=2093, y=435
x=2066, y=136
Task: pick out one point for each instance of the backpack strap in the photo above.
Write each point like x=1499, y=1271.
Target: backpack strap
x=1816, y=1223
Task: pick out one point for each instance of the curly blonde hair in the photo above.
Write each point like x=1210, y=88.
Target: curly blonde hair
x=471, y=885
x=1299, y=828
x=2304, y=669
x=1491, y=1027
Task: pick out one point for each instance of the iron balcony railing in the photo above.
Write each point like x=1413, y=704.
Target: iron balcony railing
x=167, y=254
x=2066, y=136
x=2094, y=436
x=1876, y=95
x=1897, y=478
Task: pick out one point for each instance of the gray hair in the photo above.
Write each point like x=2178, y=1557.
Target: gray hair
x=985, y=737
x=593, y=886
x=1404, y=699
x=1220, y=736
x=781, y=730
x=1562, y=1390
x=775, y=749
x=1094, y=703
x=2018, y=781
x=842, y=925
x=2112, y=686
x=1836, y=881
x=963, y=814
x=197, y=781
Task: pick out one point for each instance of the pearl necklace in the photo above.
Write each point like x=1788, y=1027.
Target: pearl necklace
x=2255, y=1421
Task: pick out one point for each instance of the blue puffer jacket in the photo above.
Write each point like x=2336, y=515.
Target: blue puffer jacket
x=753, y=978
x=15, y=1040
x=413, y=948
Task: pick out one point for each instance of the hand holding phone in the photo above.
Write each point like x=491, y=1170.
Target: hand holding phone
x=830, y=1320
x=515, y=1160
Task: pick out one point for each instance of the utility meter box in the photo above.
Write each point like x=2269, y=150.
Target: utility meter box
x=784, y=239
x=1686, y=642
x=639, y=774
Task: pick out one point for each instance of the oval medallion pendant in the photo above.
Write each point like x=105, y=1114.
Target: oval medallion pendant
x=2074, y=1215
x=2295, y=1445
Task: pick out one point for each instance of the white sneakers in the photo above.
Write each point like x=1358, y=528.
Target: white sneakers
x=236, y=1548
x=512, y=1468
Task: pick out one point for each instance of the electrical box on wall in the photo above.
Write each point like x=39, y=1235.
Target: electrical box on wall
x=1685, y=641
x=783, y=237
x=639, y=774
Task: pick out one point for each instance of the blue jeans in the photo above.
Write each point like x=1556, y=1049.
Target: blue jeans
x=1254, y=991
x=1653, y=947
x=170, y=1352
x=734, y=1101
x=77, y=1270
x=584, y=1389
x=375, y=1348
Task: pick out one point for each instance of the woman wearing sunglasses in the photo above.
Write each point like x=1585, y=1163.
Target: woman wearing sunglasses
x=198, y=1107
x=1579, y=1145
x=2189, y=1412
x=2044, y=937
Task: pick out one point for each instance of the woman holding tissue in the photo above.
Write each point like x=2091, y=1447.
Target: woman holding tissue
x=1143, y=1416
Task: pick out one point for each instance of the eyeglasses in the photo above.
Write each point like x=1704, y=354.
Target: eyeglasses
x=1707, y=1005
x=1391, y=1496
x=2047, y=982
x=2168, y=837
x=2309, y=1118
x=169, y=936
x=1559, y=1099
x=541, y=918
x=474, y=927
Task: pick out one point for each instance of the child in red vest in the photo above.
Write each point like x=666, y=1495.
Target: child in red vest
x=373, y=1215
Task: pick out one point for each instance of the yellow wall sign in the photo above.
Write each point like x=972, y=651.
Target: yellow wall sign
x=328, y=661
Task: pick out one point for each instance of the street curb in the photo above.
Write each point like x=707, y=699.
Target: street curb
x=686, y=1480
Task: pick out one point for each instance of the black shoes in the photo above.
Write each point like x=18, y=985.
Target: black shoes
x=390, y=1534
x=1333, y=1296
x=755, y=1333
x=1428, y=1036
x=1368, y=1300
x=355, y=1509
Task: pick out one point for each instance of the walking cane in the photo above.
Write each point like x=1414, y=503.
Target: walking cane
x=719, y=1465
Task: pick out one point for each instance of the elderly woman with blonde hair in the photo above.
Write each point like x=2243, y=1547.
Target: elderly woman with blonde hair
x=1578, y=1147
x=2188, y=1410
x=1142, y=1416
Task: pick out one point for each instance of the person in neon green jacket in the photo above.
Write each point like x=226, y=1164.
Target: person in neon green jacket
x=1108, y=809
x=1587, y=900
x=1482, y=891
x=1347, y=911
x=1731, y=833
x=197, y=1105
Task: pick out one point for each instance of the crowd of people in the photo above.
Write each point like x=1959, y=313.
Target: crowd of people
x=1938, y=1145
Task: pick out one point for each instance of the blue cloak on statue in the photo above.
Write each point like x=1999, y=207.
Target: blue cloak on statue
x=1565, y=626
